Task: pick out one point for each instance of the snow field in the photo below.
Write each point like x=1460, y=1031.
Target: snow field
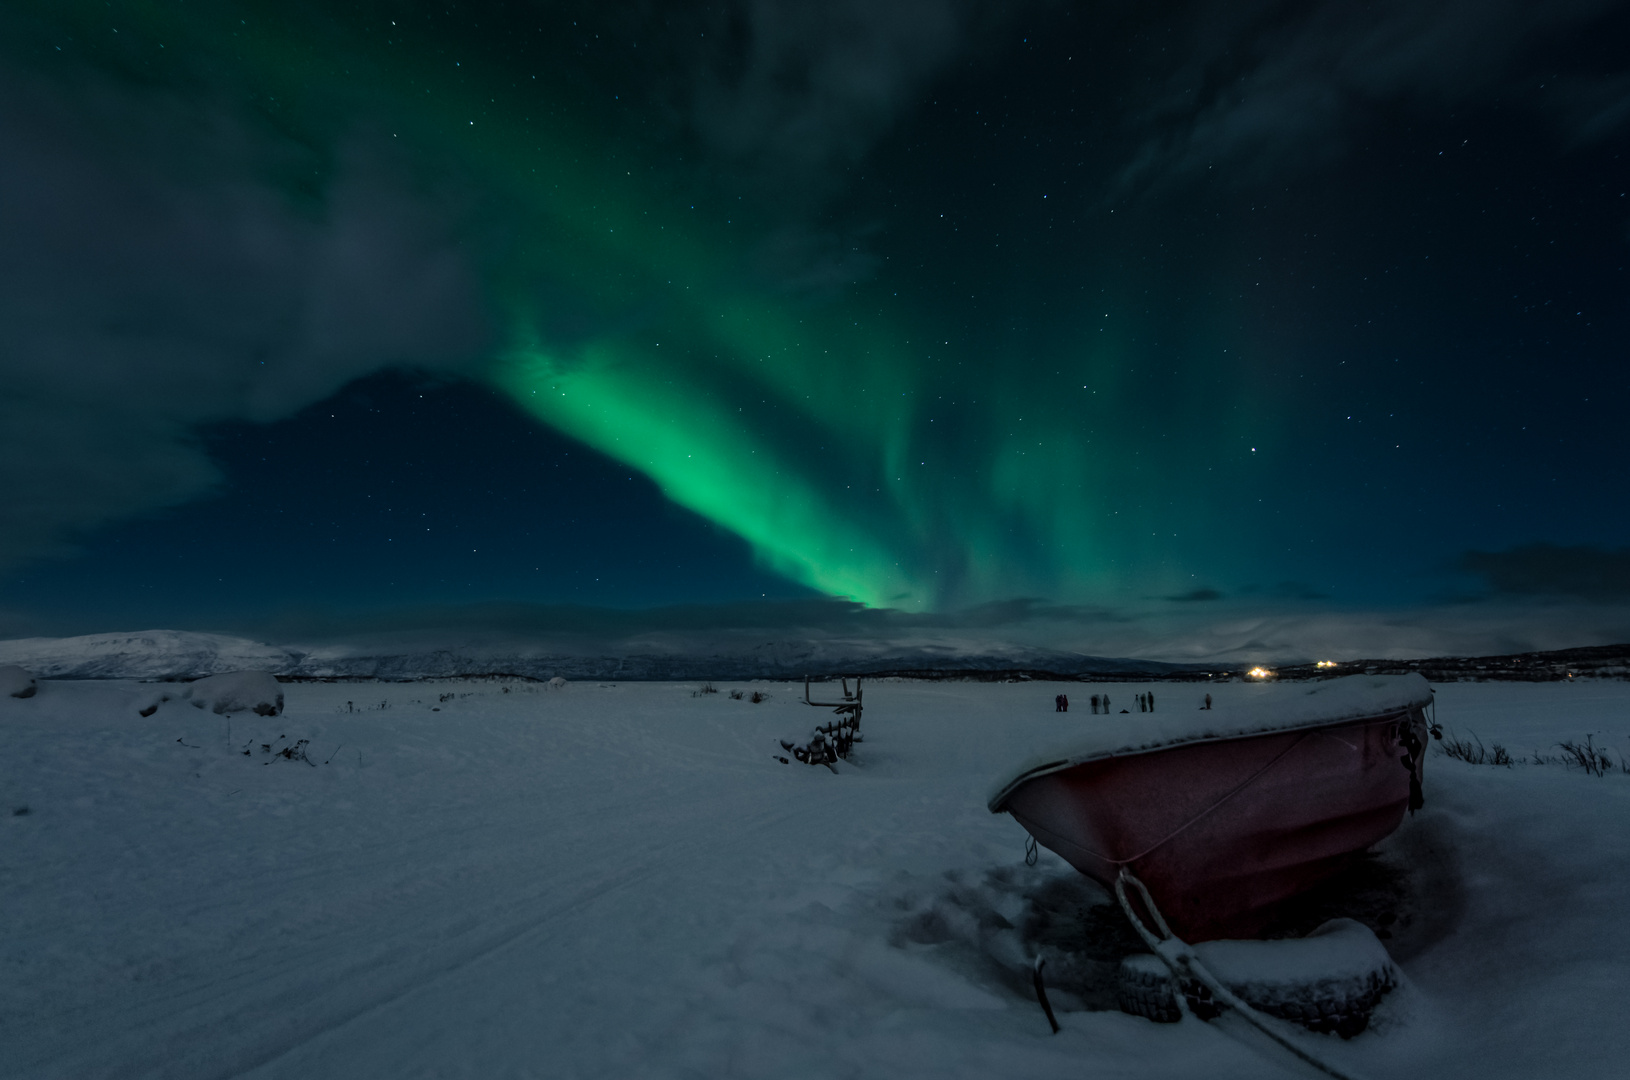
x=620, y=880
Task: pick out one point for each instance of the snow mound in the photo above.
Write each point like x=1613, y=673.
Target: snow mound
x=16, y=682
x=238, y=691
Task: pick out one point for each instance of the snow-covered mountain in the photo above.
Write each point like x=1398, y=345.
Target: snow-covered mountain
x=173, y=654
x=146, y=654
x=739, y=655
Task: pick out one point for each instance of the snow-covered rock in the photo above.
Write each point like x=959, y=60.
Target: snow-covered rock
x=238, y=691
x=16, y=682
x=557, y=683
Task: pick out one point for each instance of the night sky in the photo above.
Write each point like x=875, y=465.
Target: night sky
x=925, y=304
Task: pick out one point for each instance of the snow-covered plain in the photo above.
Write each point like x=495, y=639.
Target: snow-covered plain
x=620, y=880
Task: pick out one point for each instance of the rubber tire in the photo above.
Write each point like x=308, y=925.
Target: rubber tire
x=1339, y=1006
x=1145, y=990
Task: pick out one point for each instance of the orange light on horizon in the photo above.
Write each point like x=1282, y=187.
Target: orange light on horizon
x=1259, y=673
x=1325, y=663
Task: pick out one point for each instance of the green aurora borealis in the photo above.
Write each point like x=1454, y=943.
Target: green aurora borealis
x=1018, y=381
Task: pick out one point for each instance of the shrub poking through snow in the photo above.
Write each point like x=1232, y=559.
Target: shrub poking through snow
x=17, y=683
x=1471, y=751
x=282, y=748
x=1595, y=760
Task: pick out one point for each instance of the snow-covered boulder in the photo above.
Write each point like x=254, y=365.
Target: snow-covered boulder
x=557, y=683
x=238, y=691
x=15, y=682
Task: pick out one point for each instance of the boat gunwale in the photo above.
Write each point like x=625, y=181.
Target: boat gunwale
x=997, y=802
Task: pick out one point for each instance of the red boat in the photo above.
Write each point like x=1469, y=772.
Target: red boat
x=1225, y=812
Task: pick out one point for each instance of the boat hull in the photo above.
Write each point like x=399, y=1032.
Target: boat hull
x=1223, y=831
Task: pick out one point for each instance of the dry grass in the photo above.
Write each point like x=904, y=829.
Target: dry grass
x=1587, y=756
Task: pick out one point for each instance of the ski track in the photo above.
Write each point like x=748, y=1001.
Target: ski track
x=515, y=935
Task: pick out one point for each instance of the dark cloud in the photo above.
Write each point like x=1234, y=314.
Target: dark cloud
x=1026, y=631
x=1262, y=85
x=1286, y=590
x=794, y=89
x=1596, y=107
x=1195, y=596
x=814, y=264
x=1588, y=573
x=172, y=257
x=165, y=262
x=1297, y=590
x=789, y=97
x=813, y=616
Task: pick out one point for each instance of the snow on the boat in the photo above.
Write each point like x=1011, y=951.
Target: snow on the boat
x=453, y=880
x=1236, y=709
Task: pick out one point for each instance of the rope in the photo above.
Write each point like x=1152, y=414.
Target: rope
x=1182, y=961
x=1243, y=784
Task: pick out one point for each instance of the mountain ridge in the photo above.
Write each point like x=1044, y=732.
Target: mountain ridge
x=179, y=655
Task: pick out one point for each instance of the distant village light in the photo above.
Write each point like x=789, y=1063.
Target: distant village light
x=1325, y=663
x=1259, y=673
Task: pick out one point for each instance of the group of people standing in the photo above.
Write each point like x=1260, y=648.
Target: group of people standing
x=1100, y=703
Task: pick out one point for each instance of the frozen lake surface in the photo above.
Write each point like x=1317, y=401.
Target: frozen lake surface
x=621, y=880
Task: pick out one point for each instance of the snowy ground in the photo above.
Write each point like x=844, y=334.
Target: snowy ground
x=620, y=881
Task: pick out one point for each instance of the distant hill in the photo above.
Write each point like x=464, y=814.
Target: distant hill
x=182, y=655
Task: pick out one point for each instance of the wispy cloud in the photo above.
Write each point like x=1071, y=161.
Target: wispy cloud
x=160, y=272
x=1264, y=86
x=1586, y=573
